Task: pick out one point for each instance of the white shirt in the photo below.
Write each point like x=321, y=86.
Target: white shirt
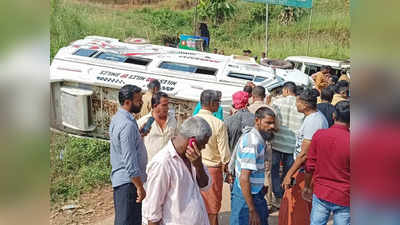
x=157, y=138
x=173, y=195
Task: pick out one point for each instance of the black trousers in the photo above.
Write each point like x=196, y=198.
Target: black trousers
x=127, y=211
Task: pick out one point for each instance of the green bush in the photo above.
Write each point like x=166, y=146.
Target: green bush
x=217, y=11
x=77, y=165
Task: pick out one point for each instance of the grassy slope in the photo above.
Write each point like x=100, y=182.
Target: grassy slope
x=330, y=33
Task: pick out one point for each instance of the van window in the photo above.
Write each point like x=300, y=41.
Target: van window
x=187, y=68
x=297, y=65
x=259, y=79
x=112, y=57
x=138, y=61
x=242, y=76
x=85, y=52
x=121, y=58
x=311, y=69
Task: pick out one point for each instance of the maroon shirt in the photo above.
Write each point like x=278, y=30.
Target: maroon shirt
x=376, y=162
x=329, y=159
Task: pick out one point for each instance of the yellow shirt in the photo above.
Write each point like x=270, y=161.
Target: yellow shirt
x=344, y=77
x=157, y=138
x=146, y=107
x=337, y=98
x=216, y=153
x=321, y=81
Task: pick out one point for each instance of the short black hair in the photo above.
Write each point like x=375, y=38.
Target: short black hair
x=127, y=92
x=247, y=50
x=290, y=86
x=327, y=93
x=341, y=86
x=309, y=96
x=259, y=91
x=342, y=111
x=299, y=89
x=219, y=94
x=248, y=89
x=156, y=98
x=154, y=84
x=208, y=96
x=263, y=112
x=334, y=79
x=326, y=68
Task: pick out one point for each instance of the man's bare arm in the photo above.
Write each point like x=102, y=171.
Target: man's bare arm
x=300, y=159
x=246, y=189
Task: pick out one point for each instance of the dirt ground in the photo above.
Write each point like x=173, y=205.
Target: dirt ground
x=97, y=208
x=91, y=208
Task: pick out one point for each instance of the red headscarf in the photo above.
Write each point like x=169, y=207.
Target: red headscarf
x=240, y=99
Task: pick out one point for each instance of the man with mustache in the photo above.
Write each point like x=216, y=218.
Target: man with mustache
x=248, y=203
x=128, y=158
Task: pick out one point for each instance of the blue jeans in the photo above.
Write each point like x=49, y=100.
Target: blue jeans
x=322, y=209
x=366, y=212
x=240, y=210
x=277, y=158
x=127, y=211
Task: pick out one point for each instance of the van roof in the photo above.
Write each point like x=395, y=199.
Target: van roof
x=320, y=61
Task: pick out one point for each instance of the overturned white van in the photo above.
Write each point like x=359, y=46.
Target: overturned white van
x=86, y=75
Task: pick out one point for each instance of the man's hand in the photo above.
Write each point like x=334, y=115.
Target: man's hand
x=141, y=194
x=286, y=182
x=307, y=194
x=193, y=154
x=144, y=134
x=254, y=218
x=229, y=178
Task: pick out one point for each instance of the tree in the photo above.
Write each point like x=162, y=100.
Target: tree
x=216, y=11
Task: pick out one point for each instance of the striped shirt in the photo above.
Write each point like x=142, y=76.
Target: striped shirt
x=250, y=156
x=128, y=154
x=290, y=122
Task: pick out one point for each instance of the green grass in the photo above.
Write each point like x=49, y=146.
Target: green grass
x=77, y=165
x=330, y=30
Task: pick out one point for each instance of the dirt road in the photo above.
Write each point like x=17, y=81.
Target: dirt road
x=223, y=215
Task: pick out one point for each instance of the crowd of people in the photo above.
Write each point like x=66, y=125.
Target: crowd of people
x=289, y=153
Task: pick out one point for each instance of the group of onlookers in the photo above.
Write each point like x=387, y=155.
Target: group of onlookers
x=277, y=153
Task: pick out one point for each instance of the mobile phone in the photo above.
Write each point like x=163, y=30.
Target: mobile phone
x=292, y=181
x=191, y=141
x=147, y=125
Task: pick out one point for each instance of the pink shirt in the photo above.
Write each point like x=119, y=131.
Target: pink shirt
x=173, y=195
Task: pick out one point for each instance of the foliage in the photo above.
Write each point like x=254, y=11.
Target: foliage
x=285, y=15
x=330, y=30
x=77, y=165
x=216, y=11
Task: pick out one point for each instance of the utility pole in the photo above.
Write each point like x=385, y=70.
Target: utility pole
x=195, y=19
x=266, y=29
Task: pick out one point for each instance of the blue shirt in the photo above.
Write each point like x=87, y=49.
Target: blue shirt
x=128, y=154
x=219, y=114
x=250, y=156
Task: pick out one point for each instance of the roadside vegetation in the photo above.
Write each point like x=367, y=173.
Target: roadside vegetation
x=77, y=165
x=244, y=27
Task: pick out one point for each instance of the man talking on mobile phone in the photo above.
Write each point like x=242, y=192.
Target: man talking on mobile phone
x=128, y=158
x=163, y=127
x=176, y=177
